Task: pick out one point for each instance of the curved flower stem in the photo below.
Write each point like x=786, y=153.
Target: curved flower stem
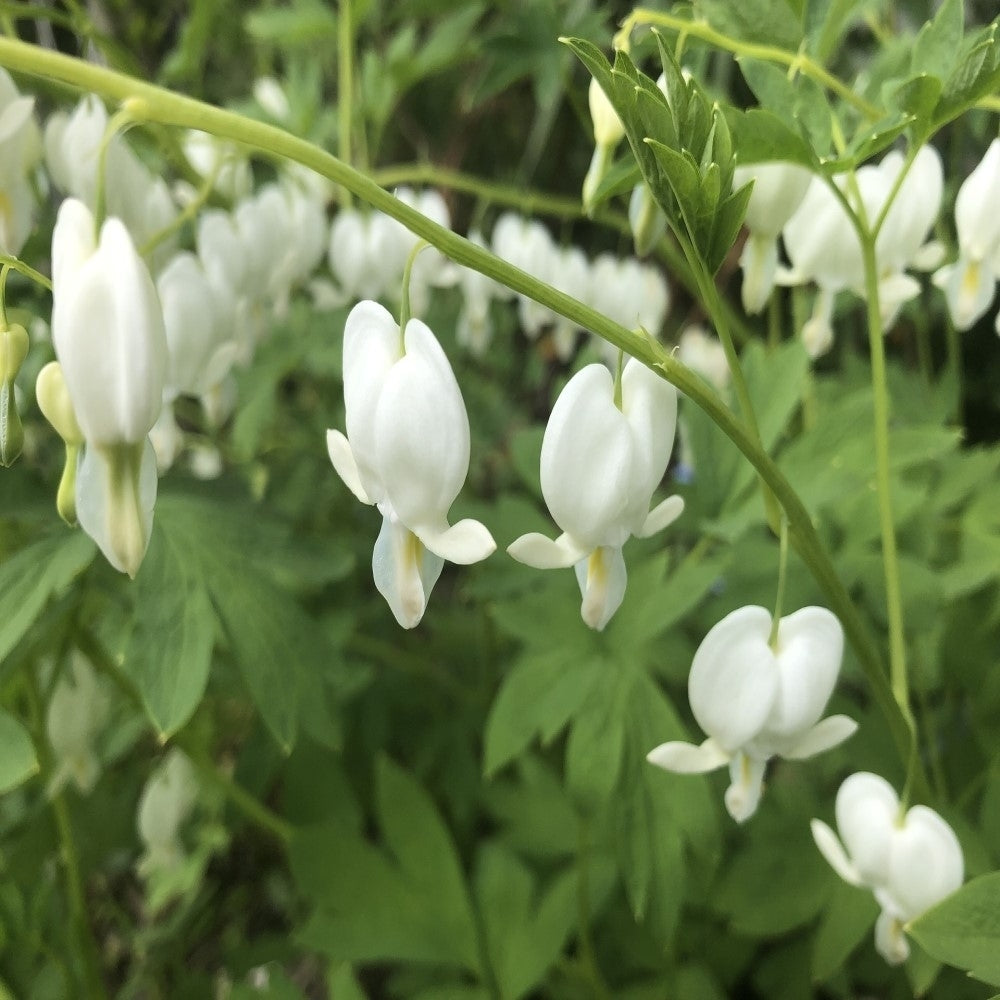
x=345, y=88
x=168, y=108
x=779, y=598
x=189, y=212
x=797, y=61
x=16, y=264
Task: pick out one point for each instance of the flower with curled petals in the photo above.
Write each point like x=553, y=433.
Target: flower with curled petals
x=756, y=701
x=911, y=861
x=600, y=464
x=407, y=452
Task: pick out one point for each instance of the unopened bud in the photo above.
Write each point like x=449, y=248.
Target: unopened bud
x=13, y=351
x=54, y=402
x=646, y=218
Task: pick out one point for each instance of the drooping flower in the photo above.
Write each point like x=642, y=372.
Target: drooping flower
x=20, y=147
x=778, y=191
x=911, y=861
x=108, y=333
x=167, y=800
x=756, y=701
x=599, y=467
x=824, y=247
x=407, y=452
x=76, y=713
x=970, y=283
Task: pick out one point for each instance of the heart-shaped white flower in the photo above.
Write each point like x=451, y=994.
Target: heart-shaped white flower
x=756, y=701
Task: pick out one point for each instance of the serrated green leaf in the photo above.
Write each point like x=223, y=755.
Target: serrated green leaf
x=940, y=40
x=17, y=753
x=760, y=137
x=406, y=902
x=772, y=22
x=30, y=577
x=964, y=929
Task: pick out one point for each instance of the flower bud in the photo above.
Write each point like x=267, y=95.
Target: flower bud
x=13, y=351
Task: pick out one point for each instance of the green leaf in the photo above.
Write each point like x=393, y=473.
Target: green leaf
x=538, y=697
x=30, y=577
x=304, y=24
x=525, y=930
x=801, y=106
x=170, y=649
x=976, y=74
x=964, y=929
x=848, y=917
x=940, y=40
x=17, y=753
x=771, y=22
x=406, y=901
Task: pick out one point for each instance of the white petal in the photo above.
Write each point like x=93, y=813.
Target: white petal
x=587, y=459
x=734, y=678
x=925, y=863
x=421, y=434
x=929, y=257
x=832, y=849
x=913, y=211
x=977, y=224
x=743, y=794
x=661, y=516
x=372, y=346
x=825, y=735
x=778, y=191
x=759, y=262
x=539, y=552
x=343, y=463
x=809, y=650
x=464, y=543
x=404, y=572
x=649, y=404
x=890, y=941
x=686, y=758
x=867, y=812
x=969, y=286
x=894, y=291
x=73, y=243
x=602, y=578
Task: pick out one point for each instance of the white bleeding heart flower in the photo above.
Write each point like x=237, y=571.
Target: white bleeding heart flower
x=599, y=467
x=970, y=283
x=778, y=191
x=167, y=800
x=108, y=333
x=911, y=861
x=407, y=452
x=75, y=716
x=823, y=245
x=755, y=701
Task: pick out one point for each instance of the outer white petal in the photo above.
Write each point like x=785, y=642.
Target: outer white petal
x=825, y=735
x=73, y=244
x=421, y=434
x=404, y=572
x=809, y=650
x=109, y=336
x=586, y=461
x=867, y=812
x=649, y=404
x=759, y=263
x=734, y=678
x=925, y=863
x=821, y=243
x=977, y=223
x=464, y=543
x=602, y=578
x=913, y=211
x=778, y=191
x=539, y=552
x=832, y=849
x=372, y=345
x=686, y=758
x=661, y=516
x=339, y=449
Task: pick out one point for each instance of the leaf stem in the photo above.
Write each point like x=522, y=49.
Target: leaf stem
x=769, y=53
x=345, y=89
x=16, y=264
